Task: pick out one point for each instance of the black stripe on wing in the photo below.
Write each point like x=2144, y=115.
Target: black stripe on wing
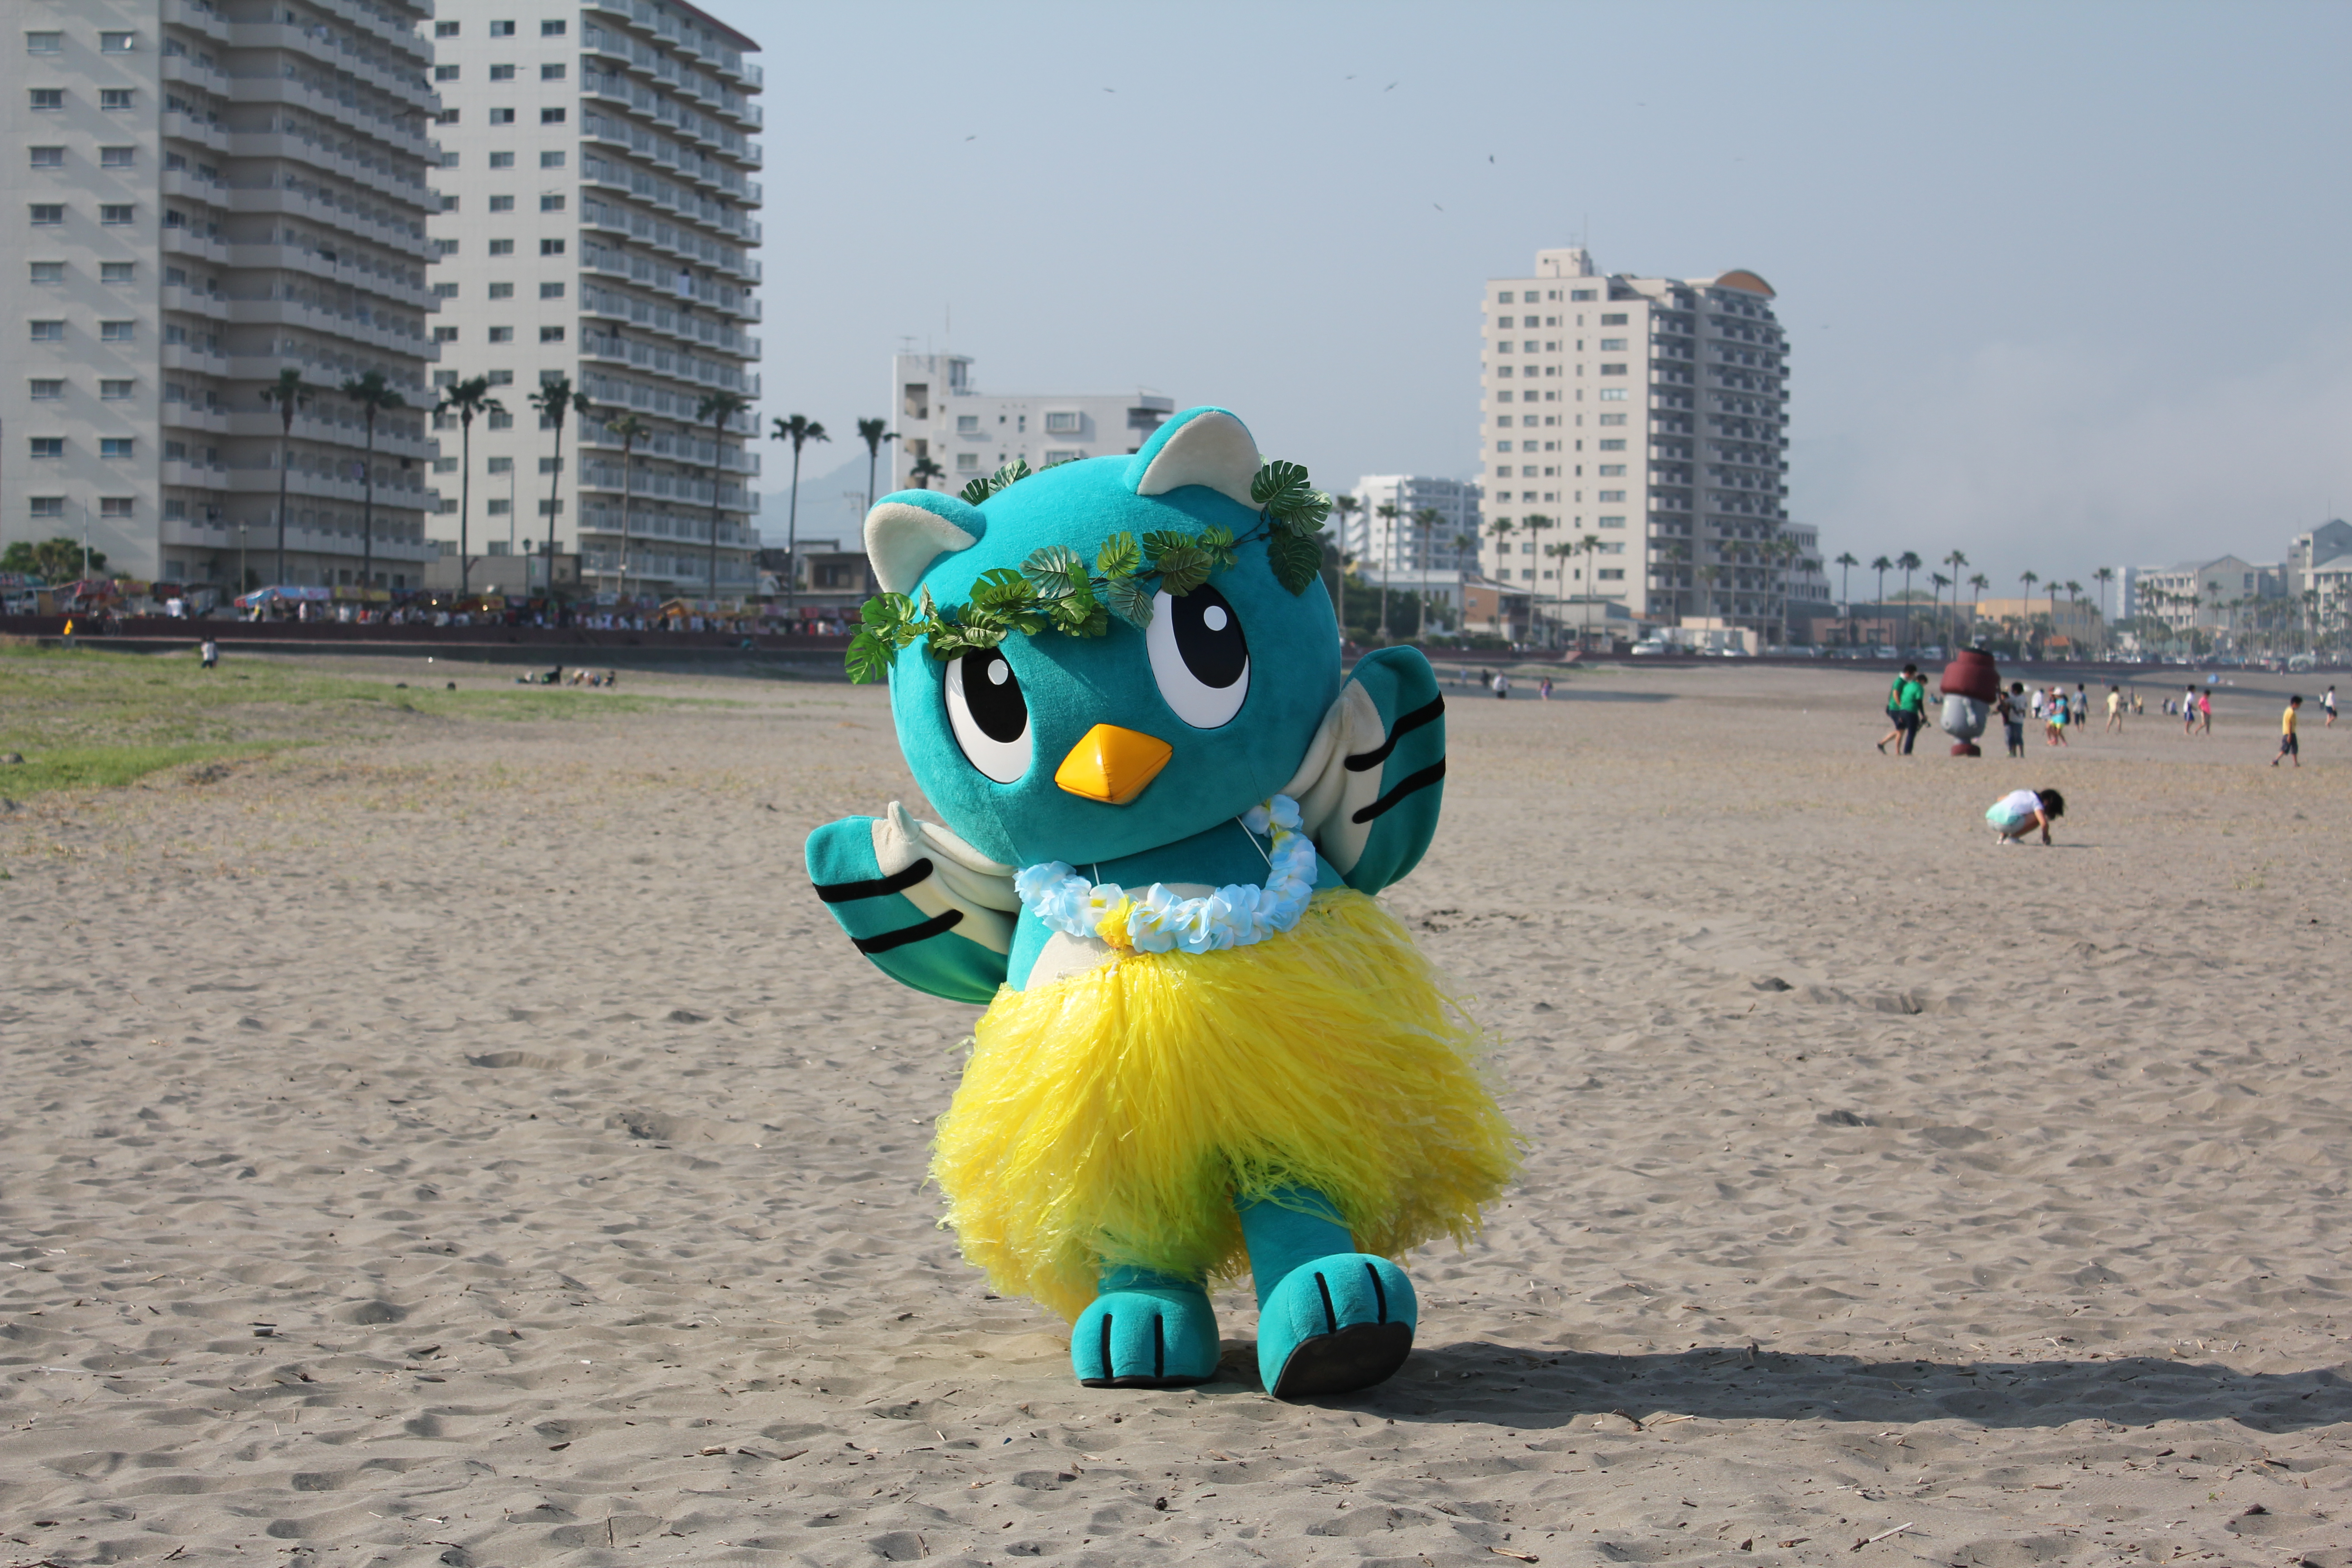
x=874, y=887
x=1410, y=784
x=1428, y=713
x=906, y=936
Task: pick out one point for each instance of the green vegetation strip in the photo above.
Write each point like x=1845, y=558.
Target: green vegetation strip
x=107, y=767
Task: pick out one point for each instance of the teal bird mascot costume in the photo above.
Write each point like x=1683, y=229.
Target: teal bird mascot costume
x=1207, y=1049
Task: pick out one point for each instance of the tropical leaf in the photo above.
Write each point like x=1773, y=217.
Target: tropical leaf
x=868, y=658
x=1296, y=559
x=1303, y=517
x=1009, y=475
x=1274, y=479
x=1056, y=572
x=1218, y=543
x=976, y=491
x=1183, y=568
x=1127, y=599
x=1121, y=556
x=1092, y=621
x=1003, y=588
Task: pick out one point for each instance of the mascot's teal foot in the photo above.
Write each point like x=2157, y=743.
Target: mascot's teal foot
x=1145, y=1330
x=1330, y=1319
x=1334, y=1325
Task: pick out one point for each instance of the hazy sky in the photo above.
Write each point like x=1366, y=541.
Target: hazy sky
x=2065, y=282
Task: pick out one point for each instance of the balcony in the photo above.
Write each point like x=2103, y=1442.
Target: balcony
x=201, y=15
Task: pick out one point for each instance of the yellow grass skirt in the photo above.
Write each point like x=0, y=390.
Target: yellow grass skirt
x=1112, y=1117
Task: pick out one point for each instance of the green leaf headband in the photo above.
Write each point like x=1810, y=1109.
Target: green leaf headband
x=1054, y=591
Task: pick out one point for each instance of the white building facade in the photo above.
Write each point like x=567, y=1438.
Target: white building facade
x=943, y=419
x=2206, y=594
x=203, y=200
x=1648, y=413
x=597, y=225
x=1413, y=522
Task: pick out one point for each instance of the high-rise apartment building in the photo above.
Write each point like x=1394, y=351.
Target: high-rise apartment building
x=201, y=196
x=1436, y=526
x=1650, y=413
x=597, y=225
x=943, y=419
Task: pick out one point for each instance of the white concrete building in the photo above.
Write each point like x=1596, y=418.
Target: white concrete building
x=202, y=195
x=2304, y=551
x=1414, y=540
x=1651, y=413
x=941, y=415
x=2196, y=594
x=597, y=226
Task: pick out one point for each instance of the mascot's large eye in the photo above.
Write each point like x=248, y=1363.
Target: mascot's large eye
x=987, y=714
x=1199, y=656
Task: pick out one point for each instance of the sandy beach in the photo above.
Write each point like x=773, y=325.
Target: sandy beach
x=469, y=1141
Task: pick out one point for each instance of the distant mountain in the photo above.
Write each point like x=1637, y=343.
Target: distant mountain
x=833, y=502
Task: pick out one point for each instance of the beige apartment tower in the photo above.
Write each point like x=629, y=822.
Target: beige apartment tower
x=203, y=193
x=1650, y=414
x=597, y=225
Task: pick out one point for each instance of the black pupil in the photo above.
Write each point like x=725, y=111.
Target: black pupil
x=992, y=692
x=1209, y=637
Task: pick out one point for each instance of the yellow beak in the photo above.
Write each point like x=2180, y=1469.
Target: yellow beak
x=1111, y=765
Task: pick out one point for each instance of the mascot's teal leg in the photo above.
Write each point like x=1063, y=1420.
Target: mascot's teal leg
x=1330, y=1319
x=1145, y=1330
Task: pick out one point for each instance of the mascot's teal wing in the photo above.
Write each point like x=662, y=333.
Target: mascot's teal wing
x=931, y=911
x=1373, y=778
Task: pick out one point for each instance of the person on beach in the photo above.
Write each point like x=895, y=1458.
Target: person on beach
x=2012, y=717
x=2021, y=811
x=209, y=652
x=2204, y=712
x=2037, y=704
x=2288, y=745
x=2327, y=703
x=1905, y=701
x=2055, y=733
x=2115, y=710
x=2080, y=712
x=2189, y=710
x=1546, y=689
x=1502, y=686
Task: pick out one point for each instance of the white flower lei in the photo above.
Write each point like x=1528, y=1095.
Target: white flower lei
x=1156, y=920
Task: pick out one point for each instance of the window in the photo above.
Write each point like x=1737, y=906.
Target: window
x=1617, y=521
x=114, y=446
x=48, y=214
x=502, y=290
x=48, y=332
x=445, y=334
x=114, y=43
x=1605, y=497
x=448, y=465
x=1613, y=418
x=501, y=160
x=500, y=507
x=114, y=391
x=551, y=291
x=1611, y=471
x=1583, y=294
x=502, y=203
x=550, y=73
x=445, y=290
x=1053, y=457
x=117, y=157
x=49, y=157
x=550, y=248
x=1612, y=395
x=448, y=159
x=968, y=462
x=502, y=117
x=48, y=446
x=501, y=421
x=1613, y=444
x=446, y=117
x=48, y=506
x=1613, y=345
x=441, y=378
x=548, y=464
x=550, y=204
x=45, y=43
x=550, y=160
x=501, y=334
x=47, y=389
x=551, y=116
x=117, y=331
x=551, y=29
x=967, y=424
x=502, y=73
x=445, y=247
x=551, y=334
x=49, y=271
x=500, y=465
x=502, y=29
x=1613, y=319
x=444, y=29
x=116, y=214
x=445, y=73
x=48, y=98
x=502, y=247
x=115, y=506
x=1062, y=424
x=115, y=99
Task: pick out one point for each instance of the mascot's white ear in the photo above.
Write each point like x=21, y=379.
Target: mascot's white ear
x=907, y=531
x=1199, y=447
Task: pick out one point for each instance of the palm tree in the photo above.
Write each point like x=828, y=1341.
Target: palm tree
x=1387, y=512
x=1708, y=575
x=467, y=400
x=1845, y=564
x=873, y=432
x=922, y=471
x=1979, y=582
x=1939, y=583
x=553, y=400
x=1590, y=546
x=1679, y=554
x=631, y=430
x=1882, y=565
x=2029, y=579
x=2102, y=576
x=1909, y=560
x=718, y=407
x=288, y=393
x=799, y=430
x=374, y=396
x=1346, y=507
x=1538, y=524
